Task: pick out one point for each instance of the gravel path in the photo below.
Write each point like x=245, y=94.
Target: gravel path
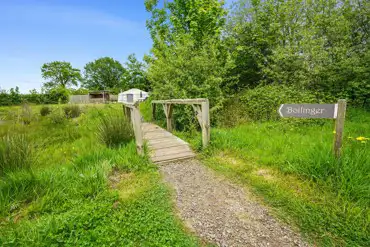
x=223, y=213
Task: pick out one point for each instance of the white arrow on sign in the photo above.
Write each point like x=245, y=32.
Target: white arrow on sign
x=281, y=107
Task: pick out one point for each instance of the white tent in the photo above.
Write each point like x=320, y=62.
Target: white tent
x=133, y=95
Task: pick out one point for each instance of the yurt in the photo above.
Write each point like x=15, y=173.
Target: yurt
x=132, y=96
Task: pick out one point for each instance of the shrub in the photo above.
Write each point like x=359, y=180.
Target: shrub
x=262, y=103
x=16, y=153
x=26, y=114
x=72, y=111
x=114, y=129
x=45, y=110
x=57, y=95
x=57, y=116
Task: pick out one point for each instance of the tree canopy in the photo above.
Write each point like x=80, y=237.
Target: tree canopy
x=60, y=74
x=103, y=73
x=135, y=74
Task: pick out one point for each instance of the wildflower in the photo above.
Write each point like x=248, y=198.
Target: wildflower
x=361, y=138
x=334, y=132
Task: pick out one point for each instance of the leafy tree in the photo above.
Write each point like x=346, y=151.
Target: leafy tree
x=135, y=74
x=201, y=19
x=60, y=74
x=15, y=96
x=315, y=45
x=103, y=73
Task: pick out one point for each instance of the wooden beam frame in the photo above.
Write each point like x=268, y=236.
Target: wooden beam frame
x=132, y=112
x=201, y=109
x=168, y=109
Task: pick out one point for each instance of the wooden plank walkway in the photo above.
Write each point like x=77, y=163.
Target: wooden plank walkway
x=163, y=146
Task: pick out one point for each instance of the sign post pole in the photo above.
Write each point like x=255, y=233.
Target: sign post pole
x=328, y=111
x=339, y=126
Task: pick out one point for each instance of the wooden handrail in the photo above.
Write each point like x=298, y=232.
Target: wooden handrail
x=201, y=108
x=132, y=112
x=181, y=101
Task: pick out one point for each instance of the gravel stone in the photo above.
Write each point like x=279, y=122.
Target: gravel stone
x=221, y=212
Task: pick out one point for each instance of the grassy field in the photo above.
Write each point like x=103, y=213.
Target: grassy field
x=70, y=185
x=290, y=165
x=61, y=185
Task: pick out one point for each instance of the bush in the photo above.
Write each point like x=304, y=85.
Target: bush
x=262, y=103
x=57, y=95
x=72, y=111
x=26, y=115
x=57, y=116
x=114, y=129
x=45, y=110
x=16, y=153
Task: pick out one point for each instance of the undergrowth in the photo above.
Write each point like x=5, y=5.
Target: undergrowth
x=69, y=200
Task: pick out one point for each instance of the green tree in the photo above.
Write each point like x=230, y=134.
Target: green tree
x=315, y=45
x=60, y=74
x=15, y=96
x=135, y=74
x=201, y=19
x=103, y=73
x=187, y=56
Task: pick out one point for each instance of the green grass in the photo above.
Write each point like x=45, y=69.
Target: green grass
x=291, y=165
x=79, y=192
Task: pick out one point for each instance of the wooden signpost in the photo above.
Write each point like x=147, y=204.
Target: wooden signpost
x=328, y=111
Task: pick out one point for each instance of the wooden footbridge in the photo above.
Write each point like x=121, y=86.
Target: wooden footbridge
x=162, y=144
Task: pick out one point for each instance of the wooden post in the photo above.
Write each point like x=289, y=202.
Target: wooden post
x=136, y=123
x=168, y=109
x=153, y=110
x=128, y=113
x=206, y=134
x=124, y=110
x=339, y=126
x=198, y=113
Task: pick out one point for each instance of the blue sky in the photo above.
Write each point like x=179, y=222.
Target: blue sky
x=33, y=32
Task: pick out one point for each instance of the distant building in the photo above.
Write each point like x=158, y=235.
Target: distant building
x=132, y=96
x=101, y=96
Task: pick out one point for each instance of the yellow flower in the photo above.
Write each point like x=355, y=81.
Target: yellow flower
x=361, y=138
x=334, y=132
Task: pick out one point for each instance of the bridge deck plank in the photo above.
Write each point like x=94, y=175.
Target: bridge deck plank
x=163, y=146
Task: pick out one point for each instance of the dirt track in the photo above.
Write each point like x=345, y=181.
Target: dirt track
x=223, y=213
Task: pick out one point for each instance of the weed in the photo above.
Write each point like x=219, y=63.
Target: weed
x=45, y=110
x=57, y=116
x=114, y=129
x=26, y=114
x=72, y=111
x=16, y=153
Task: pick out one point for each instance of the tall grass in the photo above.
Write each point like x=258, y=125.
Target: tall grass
x=45, y=110
x=114, y=129
x=337, y=210
x=26, y=114
x=16, y=153
x=72, y=111
x=67, y=199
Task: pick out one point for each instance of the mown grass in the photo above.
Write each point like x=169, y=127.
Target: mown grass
x=292, y=166
x=80, y=192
